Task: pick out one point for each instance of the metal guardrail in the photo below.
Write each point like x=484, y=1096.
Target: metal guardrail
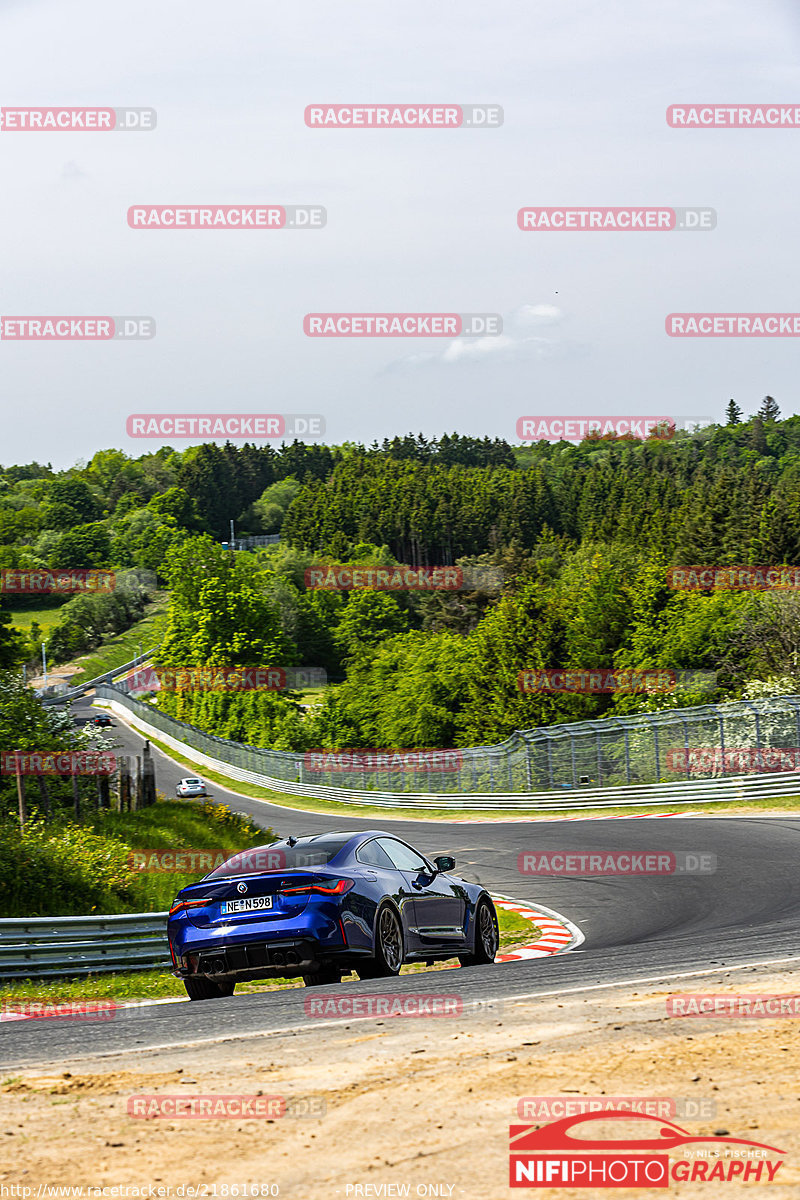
x=253, y=543
x=81, y=688
x=613, y=752
x=58, y=947
x=187, y=740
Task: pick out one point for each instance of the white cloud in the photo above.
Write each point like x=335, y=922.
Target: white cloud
x=536, y=315
x=418, y=221
x=515, y=342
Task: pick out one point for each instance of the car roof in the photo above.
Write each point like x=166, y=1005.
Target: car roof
x=361, y=835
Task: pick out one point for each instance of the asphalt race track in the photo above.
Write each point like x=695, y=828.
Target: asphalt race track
x=638, y=929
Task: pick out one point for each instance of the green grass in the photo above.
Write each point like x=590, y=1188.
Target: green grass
x=514, y=929
x=46, y=615
x=158, y=985
x=338, y=807
x=65, y=868
x=175, y=825
x=125, y=646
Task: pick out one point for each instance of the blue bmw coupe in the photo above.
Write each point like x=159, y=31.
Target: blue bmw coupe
x=321, y=906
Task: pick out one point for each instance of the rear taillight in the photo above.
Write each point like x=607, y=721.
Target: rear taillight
x=339, y=888
x=180, y=905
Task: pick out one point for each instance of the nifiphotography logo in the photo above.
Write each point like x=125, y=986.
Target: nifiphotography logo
x=587, y=1151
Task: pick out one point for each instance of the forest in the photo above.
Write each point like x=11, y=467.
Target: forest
x=565, y=552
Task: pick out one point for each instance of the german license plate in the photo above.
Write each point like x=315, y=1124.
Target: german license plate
x=252, y=904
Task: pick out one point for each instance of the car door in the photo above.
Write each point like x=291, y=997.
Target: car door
x=438, y=903
x=379, y=872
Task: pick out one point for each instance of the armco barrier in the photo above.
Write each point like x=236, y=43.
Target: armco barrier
x=54, y=947
x=206, y=750
x=81, y=688
x=629, y=751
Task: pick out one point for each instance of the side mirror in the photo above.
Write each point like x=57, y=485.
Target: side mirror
x=444, y=863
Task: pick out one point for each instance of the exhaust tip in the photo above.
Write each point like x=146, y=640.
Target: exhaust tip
x=279, y=958
x=292, y=957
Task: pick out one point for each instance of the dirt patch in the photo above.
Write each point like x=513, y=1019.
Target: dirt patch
x=419, y=1103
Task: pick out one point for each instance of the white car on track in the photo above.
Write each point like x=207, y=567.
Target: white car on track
x=190, y=787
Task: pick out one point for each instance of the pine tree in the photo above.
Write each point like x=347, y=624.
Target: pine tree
x=769, y=410
x=733, y=413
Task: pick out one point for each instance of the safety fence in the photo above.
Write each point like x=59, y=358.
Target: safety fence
x=586, y=764
x=80, y=689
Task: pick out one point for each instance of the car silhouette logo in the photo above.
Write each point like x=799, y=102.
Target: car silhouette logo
x=241, y=888
x=664, y=1135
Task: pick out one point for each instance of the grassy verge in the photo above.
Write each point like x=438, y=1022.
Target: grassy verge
x=157, y=985
x=787, y=804
x=176, y=825
x=61, y=868
x=124, y=646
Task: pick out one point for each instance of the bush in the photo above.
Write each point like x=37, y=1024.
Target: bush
x=64, y=870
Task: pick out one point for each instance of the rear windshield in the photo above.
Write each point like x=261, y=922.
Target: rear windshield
x=308, y=852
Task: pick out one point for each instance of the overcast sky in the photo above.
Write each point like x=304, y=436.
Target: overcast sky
x=418, y=220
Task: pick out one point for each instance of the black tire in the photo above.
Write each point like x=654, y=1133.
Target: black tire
x=389, y=947
x=323, y=976
x=487, y=936
x=200, y=988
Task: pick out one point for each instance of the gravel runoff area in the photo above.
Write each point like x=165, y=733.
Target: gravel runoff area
x=422, y=1104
